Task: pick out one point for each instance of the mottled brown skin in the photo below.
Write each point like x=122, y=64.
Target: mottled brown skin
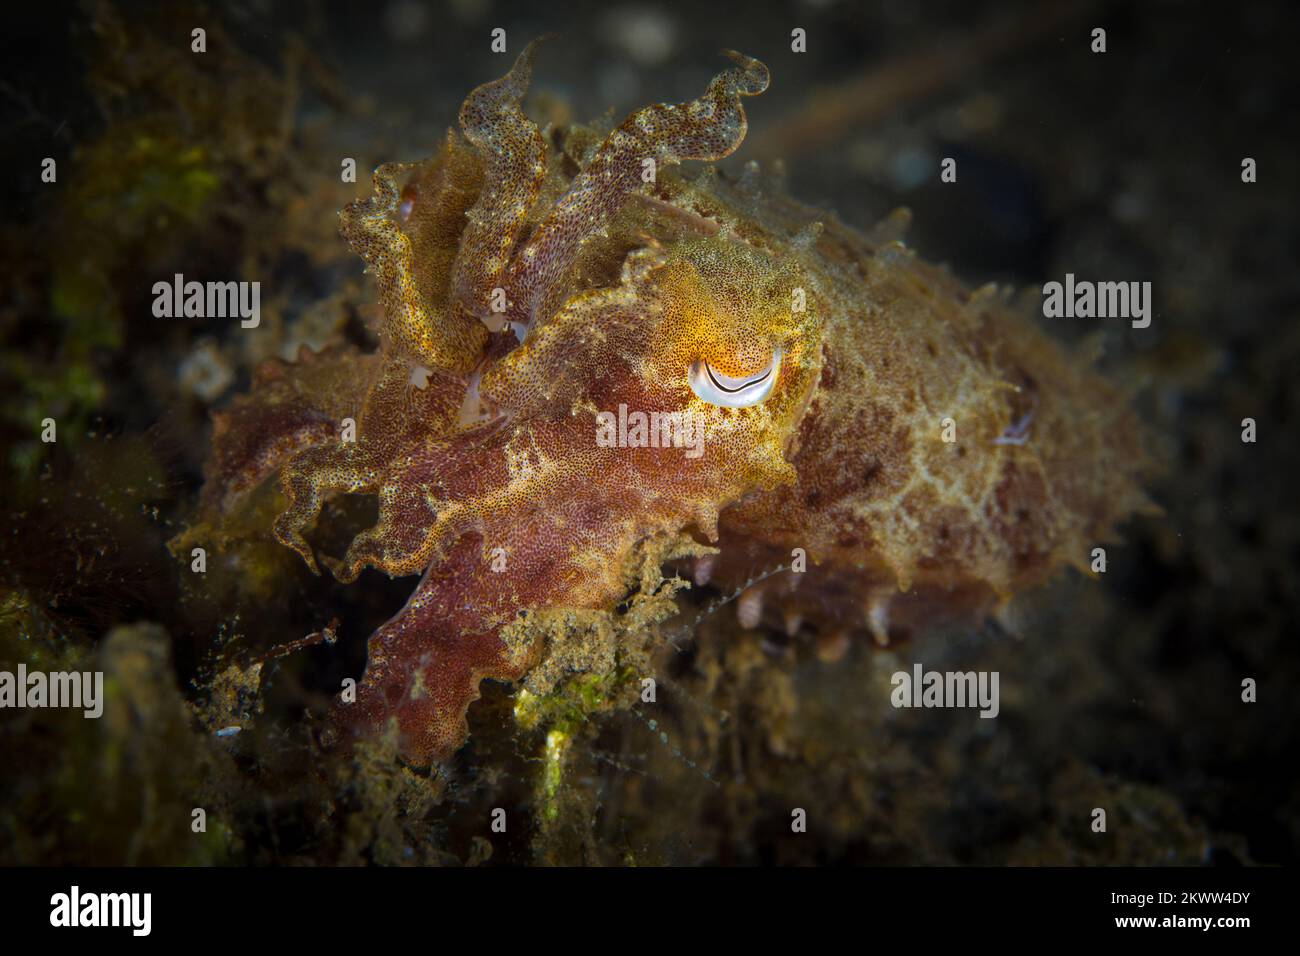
x=531, y=279
x=908, y=525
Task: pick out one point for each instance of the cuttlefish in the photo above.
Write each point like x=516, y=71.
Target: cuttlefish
x=786, y=389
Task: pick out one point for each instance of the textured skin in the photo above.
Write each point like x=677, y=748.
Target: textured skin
x=482, y=449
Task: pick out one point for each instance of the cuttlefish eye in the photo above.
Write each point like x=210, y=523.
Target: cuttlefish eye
x=715, y=388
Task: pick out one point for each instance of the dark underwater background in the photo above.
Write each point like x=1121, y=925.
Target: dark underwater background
x=1123, y=693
